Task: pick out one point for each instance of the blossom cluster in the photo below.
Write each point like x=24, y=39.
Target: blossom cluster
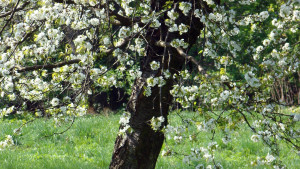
x=156, y=123
x=7, y=142
x=124, y=122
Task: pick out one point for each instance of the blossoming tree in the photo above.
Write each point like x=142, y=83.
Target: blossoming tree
x=54, y=51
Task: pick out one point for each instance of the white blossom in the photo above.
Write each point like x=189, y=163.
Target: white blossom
x=251, y=80
x=94, y=21
x=266, y=42
x=270, y=158
x=157, y=122
x=154, y=65
x=7, y=142
x=54, y=102
x=172, y=14
x=209, y=2
x=255, y=138
x=185, y=7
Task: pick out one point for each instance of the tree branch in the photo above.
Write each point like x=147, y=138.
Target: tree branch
x=17, y=9
x=65, y=1
x=50, y=66
x=123, y=20
x=121, y=46
x=125, y=41
x=183, y=54
x=11, y=16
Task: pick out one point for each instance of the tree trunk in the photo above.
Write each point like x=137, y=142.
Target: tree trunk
x=140, y=148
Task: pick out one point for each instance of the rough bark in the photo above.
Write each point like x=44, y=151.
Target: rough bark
x=140, y=149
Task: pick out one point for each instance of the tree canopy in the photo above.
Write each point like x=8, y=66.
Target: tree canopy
x=229, y=61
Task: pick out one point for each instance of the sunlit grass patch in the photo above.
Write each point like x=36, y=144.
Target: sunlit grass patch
x=89, y=144
x=238, y=153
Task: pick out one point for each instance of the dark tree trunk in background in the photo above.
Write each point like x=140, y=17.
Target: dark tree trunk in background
x=140, y=149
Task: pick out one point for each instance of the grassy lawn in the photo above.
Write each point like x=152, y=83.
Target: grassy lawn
x=89, y=144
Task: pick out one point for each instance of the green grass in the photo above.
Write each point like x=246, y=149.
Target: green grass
x=89, y=144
